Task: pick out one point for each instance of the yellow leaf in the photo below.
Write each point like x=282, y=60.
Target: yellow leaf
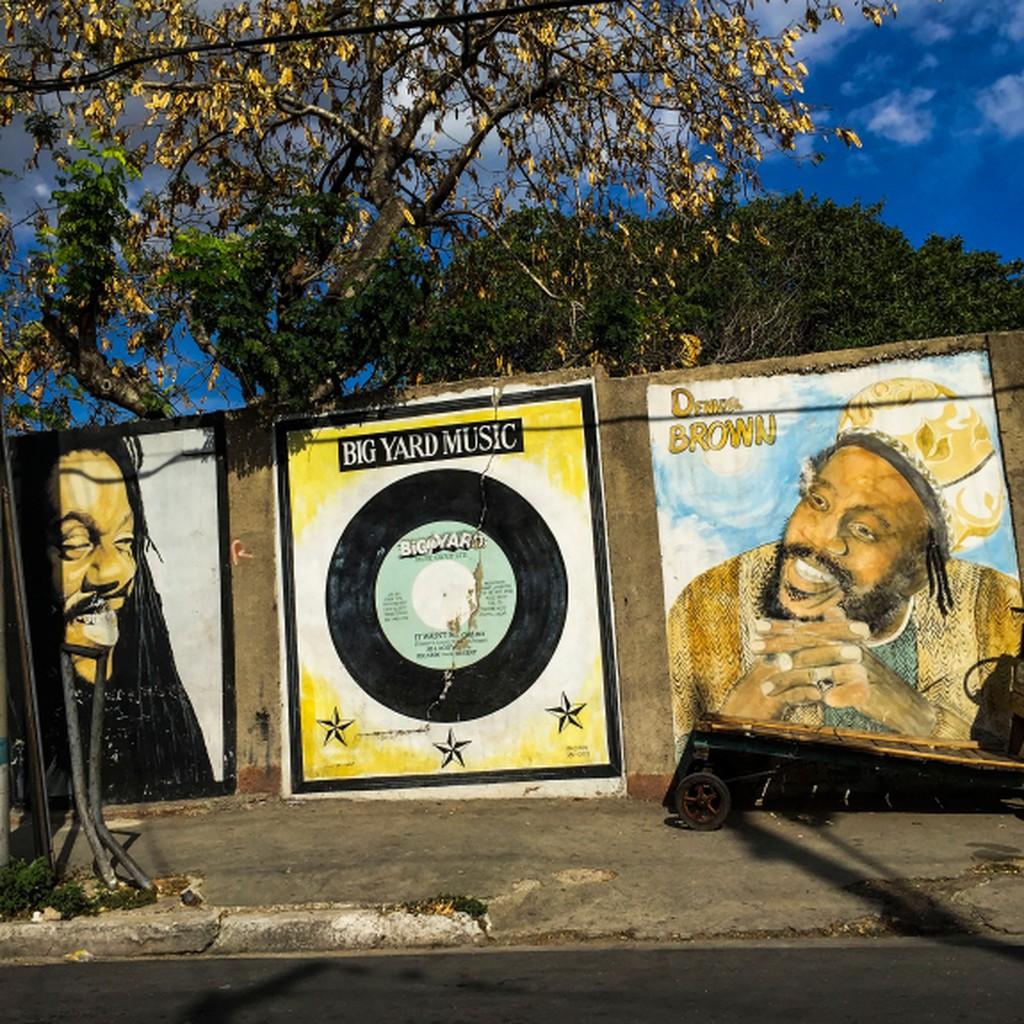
x=407, y=213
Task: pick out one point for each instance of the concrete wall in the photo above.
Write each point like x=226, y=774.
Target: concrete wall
x=446, y=595
x=711, y=639
x=252, y=550
x=1006, y=351
x=124, y=554
x=253, y=562
x=636, y=586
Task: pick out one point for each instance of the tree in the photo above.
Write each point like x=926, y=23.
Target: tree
x=342, y=149
x=792, y=275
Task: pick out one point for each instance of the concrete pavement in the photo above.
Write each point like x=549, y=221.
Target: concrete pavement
x=329, y=874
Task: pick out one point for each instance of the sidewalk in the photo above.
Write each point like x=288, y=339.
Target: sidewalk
x=320, y=874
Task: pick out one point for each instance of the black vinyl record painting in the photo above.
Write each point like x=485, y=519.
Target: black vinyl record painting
x=446, y=594
x=445, y=684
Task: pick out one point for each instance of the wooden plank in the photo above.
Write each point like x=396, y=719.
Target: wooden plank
x=720, y=722
x=930, y=748
x=951, y=757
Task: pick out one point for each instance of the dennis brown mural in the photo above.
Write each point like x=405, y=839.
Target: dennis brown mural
x=837, y=548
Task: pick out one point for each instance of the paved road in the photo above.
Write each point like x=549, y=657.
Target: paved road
x=911, y=983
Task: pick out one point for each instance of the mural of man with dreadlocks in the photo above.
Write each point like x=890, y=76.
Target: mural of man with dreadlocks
x=861, y=616
x=85, y=543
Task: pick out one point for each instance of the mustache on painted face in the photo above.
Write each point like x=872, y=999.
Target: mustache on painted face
x=821, y=561
x=94, y=604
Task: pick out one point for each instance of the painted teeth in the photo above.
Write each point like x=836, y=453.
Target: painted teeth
x=100, y=627
x=808, y=572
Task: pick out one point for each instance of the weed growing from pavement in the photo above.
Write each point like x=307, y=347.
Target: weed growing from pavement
x=30, y=886
x=447, y=904
x=24, y=887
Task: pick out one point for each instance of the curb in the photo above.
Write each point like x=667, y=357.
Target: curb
x=235, y=931
x=314, y=931
x=118, y=934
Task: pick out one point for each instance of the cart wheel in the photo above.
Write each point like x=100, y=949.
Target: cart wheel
x=703, y=801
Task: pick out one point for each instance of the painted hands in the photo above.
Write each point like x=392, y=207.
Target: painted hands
x=799, y=663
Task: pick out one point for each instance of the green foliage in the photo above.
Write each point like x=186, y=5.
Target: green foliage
x=282, y=333
x=77, y=325
x=70, y=899
x=125, y=898
x=27, y=886
x=336, y=151
x=81, y=251
x=24, y=887
x=781, y=276
x=447, y=903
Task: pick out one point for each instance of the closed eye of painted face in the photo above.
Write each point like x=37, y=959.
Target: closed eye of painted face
x=91, y=546
x=857, y=520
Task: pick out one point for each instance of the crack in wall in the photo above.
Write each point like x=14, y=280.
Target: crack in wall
x=474, y=596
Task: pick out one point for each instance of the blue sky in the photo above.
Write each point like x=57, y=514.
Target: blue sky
x=937, y=97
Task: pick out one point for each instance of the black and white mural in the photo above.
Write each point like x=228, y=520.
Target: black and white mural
x=124, y=554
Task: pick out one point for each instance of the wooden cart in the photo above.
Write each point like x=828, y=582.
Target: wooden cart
x=724, y=751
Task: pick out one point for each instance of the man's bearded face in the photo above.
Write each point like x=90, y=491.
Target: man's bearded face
x=92, y=547
x=856, y=541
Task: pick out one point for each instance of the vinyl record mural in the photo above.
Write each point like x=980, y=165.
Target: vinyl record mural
x=446, y=594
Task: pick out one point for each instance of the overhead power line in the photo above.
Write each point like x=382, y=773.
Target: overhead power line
x=11, y=84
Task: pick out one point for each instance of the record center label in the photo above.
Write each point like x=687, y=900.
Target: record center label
x=425, y=444
x=445, y=595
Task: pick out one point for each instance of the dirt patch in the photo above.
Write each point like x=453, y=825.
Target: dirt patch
x=584, y=876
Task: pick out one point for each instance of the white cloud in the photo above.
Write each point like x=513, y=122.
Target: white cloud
x=930, y=32
x=934, y=23
x=689, y=546
x=1002, y=105
x=1013, y=26
x=901, y=116
x=772, y=16
x=928, y=61
x=876, y=66
x=861, y=164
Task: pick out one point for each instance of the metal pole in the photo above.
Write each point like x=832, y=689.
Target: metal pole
x=95, y=762
x=5, y=746
x=33, y=734
x=78, y=783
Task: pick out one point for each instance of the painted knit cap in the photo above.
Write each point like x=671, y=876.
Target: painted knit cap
x=941, y=445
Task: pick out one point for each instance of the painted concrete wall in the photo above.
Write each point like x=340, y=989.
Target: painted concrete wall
x=446, y=594
x=837, y=548
x=124, y=563
x=252, y=568
x=271, y=604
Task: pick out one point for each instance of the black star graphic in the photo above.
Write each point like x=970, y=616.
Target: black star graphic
x=566, y=713
x=335, y=728
x=452, y=750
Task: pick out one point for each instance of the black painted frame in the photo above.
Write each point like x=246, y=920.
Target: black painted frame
x=214, y=421
x=612, y=768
